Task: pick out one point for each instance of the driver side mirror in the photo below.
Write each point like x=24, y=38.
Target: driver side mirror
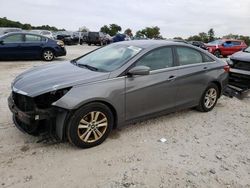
x=1, y=42
x=139, y=70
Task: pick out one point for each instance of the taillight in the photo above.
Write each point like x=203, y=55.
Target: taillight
x=226, y=68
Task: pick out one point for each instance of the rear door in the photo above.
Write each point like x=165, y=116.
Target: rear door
x=33, y=45
x=237, y=46
x=230, y=47
x=11, y=46
x=193, y=75
x=155, y=92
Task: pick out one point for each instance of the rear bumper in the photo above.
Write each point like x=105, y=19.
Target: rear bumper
x=233, y=91
x=239, y=78
x=239, y=84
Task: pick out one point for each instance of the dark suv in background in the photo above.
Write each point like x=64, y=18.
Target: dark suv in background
x=97, y=38
x=199, y=44
x=69, y=38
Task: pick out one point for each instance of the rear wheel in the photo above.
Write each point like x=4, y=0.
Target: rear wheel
x=217, y=53
x=48, y=55
x=209, y=98
x=90, y=125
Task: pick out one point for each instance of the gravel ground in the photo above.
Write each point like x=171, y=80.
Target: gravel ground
x=201, y=149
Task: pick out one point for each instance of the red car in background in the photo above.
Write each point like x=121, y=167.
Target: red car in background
x=225, y=47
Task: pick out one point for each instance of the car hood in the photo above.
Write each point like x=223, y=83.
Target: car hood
x=241, y=56
x=50, y=77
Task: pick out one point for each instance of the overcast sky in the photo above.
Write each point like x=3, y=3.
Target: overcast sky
x=174, y=17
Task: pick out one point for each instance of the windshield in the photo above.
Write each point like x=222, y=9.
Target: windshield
x=108, y=58
x=247, y=49
x=216, y=42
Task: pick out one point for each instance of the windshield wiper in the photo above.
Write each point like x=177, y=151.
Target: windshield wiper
x=88, y=67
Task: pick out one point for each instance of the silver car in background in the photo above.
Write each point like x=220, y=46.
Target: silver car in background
x=83, y=100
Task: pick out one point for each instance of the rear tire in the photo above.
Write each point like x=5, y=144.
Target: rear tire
x=48, y=55
x=217, y=53
x=90, y=125
x=209, y=98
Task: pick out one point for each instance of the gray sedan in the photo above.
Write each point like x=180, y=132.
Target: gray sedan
x=83, y=100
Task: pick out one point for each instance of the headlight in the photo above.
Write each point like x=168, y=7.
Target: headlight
x=45, y=100
x=229, y=62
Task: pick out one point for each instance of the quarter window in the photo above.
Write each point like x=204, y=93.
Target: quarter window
x=206, y=58
x=13, y=39
x=157, y=59
x=188, y=56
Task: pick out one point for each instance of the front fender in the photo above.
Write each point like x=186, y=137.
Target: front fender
x=111, y=91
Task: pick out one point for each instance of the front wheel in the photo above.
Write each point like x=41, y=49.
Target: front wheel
x=209, y=98
x=48, y=55
x=90, y=125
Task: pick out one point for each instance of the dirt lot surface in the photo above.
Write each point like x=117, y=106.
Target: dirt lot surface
x=201, y=149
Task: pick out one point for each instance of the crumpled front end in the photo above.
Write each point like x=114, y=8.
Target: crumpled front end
x=36, y=115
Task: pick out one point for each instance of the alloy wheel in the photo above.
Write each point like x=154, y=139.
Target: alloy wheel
x=210, y=98
x=92, y=126
x=48, y=55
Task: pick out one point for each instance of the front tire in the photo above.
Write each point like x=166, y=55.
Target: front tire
x=48, y=55
x=90, y=125
x=209, y=98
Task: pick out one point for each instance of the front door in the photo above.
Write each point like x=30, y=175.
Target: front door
x=10, y=47
x=155, y=92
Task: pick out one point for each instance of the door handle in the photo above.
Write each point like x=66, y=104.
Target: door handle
x=205, y=68
x=170, y=78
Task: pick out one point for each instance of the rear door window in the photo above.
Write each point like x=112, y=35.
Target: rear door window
x=188, y=56
x=236, y=43
x=18, y=38
x=228, y=44
x=206, y=58
x=33, y=38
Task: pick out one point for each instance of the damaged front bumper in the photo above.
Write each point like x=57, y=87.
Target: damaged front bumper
x=30, y=116
x=37, y=121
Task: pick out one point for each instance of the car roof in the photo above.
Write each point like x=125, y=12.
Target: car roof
x=150, y=43
x=232, y=40
x=23, y=32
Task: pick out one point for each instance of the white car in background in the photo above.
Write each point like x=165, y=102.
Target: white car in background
x=4, y=30
x=45, y=33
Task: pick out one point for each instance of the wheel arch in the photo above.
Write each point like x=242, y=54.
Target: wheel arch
x=71, y=113
x=217, y=50
x=218, y=84
x=48, y=48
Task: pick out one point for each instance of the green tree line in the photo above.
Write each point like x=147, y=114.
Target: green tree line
x=4, y=22
x=210, y=36
x=149, y=32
